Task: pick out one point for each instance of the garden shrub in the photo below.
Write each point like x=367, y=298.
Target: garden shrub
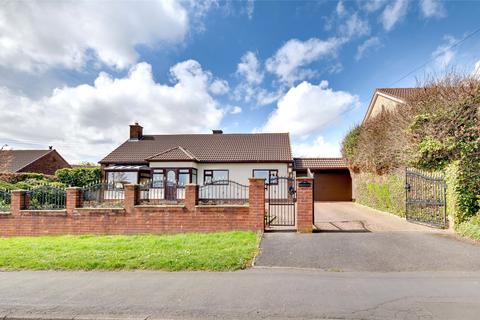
x=78, y=177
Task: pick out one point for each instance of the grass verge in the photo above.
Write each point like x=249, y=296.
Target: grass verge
x=222, y=251
x=470, y=228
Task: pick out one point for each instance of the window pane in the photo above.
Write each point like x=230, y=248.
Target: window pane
x=220, y=175
x=183, y=179
x=273, y=179
x=261, y=174
x=194, y=176
x=157, y=180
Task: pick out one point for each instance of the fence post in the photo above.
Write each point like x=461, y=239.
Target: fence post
x=131, y=196
x=74, y=199
x=18, y=201
x=256, y=201
x=191, y=196
x=305, y=205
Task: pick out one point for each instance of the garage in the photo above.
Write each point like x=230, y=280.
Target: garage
x=332, y=180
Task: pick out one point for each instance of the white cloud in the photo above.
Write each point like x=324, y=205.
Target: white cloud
x=476, y=70
x=249, y=68
x=317, y=148
x=36, y=35
x=250, y=8
x=368, y=45
x=354, y=26
x=432, y=8
x=444, y=54
x=219, y=87
x=394, y=13
x=340, y=9
x=236, y=110
x=306, y=109
x=288, y=61
x=86, y=122
x=373, y=5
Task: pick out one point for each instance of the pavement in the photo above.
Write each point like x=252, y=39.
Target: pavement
x=251, y=294
x=364, y=239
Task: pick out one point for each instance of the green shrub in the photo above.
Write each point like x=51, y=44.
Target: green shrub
x=470, y=228
x=78, y=177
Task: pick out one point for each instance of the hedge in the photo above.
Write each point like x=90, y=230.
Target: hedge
x=385, y=193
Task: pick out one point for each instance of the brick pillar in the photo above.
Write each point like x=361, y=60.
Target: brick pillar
x=305, y=205
x=256, y=201
x=131, y=195
x=74, y=199
x=18, y=201
x=191, y=196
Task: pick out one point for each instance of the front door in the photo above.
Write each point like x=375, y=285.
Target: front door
x=171, y=185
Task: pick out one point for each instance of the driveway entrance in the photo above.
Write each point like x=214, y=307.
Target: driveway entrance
x=356, y=238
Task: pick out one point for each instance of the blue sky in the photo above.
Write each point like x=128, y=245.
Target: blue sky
x=75, y=74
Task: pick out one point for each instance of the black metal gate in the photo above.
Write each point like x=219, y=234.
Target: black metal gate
x=280, y=198
x=426, y=198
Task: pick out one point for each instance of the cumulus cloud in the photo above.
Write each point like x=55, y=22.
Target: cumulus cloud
x=289, y=61
x=219, y=87
x=249, y=68
x=250, y=8
x=36, y=35
x=394, y=13
x=317, y=148
x=306, y=109
x=444, y=54
x=368, y=45
x=87, y=121
x=236, y=110
x=340, y=9
x=432, y=8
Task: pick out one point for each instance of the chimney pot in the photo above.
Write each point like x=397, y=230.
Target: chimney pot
x=136, y=131
x=217, y=131
x=50, y=147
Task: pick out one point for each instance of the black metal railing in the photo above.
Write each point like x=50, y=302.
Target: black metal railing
x=5, y=200
x=45, y=197
x=223, y=192
x=159, y=194
x=425, y=195
x=102, y=195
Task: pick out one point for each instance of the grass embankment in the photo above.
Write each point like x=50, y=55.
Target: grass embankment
x=470, y=228
x=193, y=251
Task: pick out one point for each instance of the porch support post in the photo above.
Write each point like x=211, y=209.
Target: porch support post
x=131, y=196
x=305, y=205
x=191, y=196
x=256, y=201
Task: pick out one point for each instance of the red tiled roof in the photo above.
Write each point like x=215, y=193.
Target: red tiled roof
x=319, y=163
x=173, y=154
x=401, y=93
x=14, y=160
x=253, y=147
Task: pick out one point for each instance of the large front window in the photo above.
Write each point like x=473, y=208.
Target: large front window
x=119, y=178
x=270, y=175
x=215, y=176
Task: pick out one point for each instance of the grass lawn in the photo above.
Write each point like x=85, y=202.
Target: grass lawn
x=192, y=251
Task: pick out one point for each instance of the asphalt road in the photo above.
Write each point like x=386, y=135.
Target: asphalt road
x=251, y=294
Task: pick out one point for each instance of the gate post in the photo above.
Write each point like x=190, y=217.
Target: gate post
x=304, y=205
x=256, y=202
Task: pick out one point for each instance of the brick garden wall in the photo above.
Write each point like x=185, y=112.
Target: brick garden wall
x=135, y=219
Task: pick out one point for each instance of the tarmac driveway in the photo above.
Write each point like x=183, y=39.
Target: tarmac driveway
x=356, y=238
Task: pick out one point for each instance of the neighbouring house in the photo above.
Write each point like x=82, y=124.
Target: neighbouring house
x=38, y=161
x=387, y=99
x=332, y=179
x=175, y=160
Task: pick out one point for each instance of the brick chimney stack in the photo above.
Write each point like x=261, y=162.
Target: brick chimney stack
x=136, y=131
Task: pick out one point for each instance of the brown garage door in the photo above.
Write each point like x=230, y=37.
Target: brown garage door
x=333, y=185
